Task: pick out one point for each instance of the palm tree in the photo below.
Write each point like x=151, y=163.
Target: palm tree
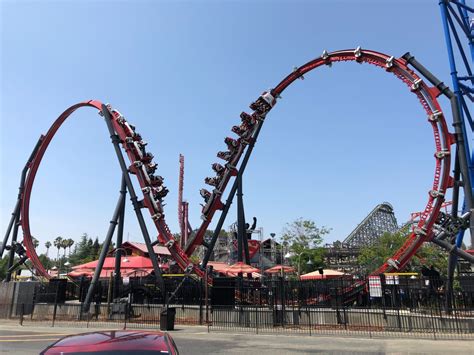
x=47, y=245
x=57, y=244
x=70, y=244
x=64, y=245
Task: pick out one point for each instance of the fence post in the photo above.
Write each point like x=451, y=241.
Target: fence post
x=399, y=320
x=456, y=320
x=432, y=323
x=125, y=316
x=309, y=319
x=200, y=302
x=55, y=304
x=22, y=312
x=256, y=318
x=206, y=296
x=368, y=322
x=345, y=317
x=54, y=313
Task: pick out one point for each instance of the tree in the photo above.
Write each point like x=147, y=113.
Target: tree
x=96, y=248
x=302, y=239
x=373, y=256
x=303, y=234
x=35, y=242
x=64, y=245
x=3, y=267
x=47, y=245
x=45, y=261
x=82, y=251
x=70, y=243
x=57, y=244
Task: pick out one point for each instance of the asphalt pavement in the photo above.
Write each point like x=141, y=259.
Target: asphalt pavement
x=22, y=340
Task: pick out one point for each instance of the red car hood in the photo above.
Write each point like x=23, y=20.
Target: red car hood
x=116, y=340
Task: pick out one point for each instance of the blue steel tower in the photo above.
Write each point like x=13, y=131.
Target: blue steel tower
x=458, y=26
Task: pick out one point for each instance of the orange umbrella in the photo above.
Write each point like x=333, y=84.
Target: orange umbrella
x=327, y=274
x=279, y=268
x=241, y=268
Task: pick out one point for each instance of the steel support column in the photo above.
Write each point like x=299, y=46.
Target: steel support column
x=103, y=254
x=118, y=245
x=230, y=197
x=136, y=205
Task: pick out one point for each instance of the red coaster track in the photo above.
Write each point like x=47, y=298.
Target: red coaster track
x=153, y=191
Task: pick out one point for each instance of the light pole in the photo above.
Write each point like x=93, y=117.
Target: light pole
x=55, y=268
x=309, y=263
x=67, y=264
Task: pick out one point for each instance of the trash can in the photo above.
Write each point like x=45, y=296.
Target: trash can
x=167, y=317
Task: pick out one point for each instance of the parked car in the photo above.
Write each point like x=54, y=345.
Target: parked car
x=114, y=342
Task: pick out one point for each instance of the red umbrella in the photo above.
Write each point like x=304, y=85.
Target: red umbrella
x=279, y=268
x=78, y=273
x=241, y=268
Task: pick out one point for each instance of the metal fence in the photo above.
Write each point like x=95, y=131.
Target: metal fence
x=341, y=306
x=358, y=322
x=365, y=322
x=412, y=294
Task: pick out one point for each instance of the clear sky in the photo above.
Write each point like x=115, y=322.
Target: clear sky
x=337, y=144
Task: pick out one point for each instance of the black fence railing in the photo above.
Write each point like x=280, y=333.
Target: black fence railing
x=308, y=320
x=404, y=293
x=400, y=307
x=364, y=322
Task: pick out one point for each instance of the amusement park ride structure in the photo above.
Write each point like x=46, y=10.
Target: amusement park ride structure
x=456, y=17
x=433, y=225
x=380, y=220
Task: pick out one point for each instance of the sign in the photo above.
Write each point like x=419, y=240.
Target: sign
x=392, y=280
x=126, y=280
x=375, y=286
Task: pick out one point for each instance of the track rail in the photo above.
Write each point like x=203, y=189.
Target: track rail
x=265, y=103
x=30, y=179
x=143, y=167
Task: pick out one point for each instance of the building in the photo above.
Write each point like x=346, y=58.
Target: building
x=140, y=249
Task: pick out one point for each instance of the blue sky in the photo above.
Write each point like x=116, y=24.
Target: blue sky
x=339, y=142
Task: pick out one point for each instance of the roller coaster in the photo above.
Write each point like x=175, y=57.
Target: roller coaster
x=138, y=163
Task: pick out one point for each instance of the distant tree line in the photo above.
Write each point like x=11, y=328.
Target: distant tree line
x=86, y=250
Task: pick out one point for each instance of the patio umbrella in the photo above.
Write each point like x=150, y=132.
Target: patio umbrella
x=240, y=267
x=327, y=274
x=277, y=269
x=78, y=273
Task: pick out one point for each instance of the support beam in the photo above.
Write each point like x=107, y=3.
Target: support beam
x=15, y=218
x=459, y=129
x=118, y=245
x=241, y=225
x=455, y=250
x=103, y=254
x=240, y=221
x=11, y=255
x=230, y=197
x=136, y=205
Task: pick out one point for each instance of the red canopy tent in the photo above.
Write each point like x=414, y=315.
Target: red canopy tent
x=218, y=266
x=241, y=268
x=134, y=266
x=277, y=269
x=129, y=262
